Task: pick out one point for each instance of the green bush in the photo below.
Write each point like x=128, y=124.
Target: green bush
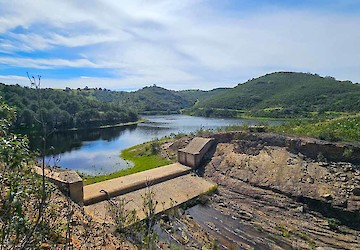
x=333, y=224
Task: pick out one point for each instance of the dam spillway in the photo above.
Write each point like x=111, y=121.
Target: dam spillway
x=104, y=190
x=167, y=194
x=171, y=185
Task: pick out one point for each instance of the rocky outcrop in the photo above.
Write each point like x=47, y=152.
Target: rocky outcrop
x=303, y=190
x=294, y=175
x=304, y=168
x=310, y=147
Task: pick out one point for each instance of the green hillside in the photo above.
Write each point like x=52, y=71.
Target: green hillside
x=156, y=100
x=195, y=95
x=146, y=100
x=62, y=109
x=284, y=94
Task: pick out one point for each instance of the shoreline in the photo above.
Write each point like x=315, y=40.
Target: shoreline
x=106, y=126
x=125, y=124
x=139, y=155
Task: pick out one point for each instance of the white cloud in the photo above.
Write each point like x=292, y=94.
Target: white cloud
x=179, y=44
x=13, y=78
x=46, y=63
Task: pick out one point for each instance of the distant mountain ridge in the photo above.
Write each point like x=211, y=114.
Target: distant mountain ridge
x=284, y=94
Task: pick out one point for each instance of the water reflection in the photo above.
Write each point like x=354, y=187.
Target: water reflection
x=59, y=143
x=97, y=151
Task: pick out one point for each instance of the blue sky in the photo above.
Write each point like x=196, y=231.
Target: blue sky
x=187, y=44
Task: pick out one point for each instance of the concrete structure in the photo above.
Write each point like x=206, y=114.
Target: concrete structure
x=170, y=181
x=68, y=181
x=168, y=194
x=101, y=191
x=194, y=152
x=257, y=128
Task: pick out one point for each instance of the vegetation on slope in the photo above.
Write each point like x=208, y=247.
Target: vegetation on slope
x=196, y=95
x=283, y=94
x=153, y=99
x=146, y=100
x=345, y=128
x=26, y=219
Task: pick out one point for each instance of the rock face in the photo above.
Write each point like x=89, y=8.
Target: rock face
x=312, y=148
x=303, y=190
x=277, y=169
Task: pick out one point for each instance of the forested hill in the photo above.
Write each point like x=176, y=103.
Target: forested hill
x=197, y=95
x=147, y=100
x=62, y=109
x=283, y=94
x=155, y=100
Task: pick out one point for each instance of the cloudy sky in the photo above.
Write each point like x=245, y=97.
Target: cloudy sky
x=177, y=44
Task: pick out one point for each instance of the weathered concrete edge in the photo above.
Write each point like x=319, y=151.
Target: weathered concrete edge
x=72, y=186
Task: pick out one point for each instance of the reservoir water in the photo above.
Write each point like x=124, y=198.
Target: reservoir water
x=97, y=151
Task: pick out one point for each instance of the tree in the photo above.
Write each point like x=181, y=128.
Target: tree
x=20, y=198
x=73, y=107
x=26, y=117
x=27, y=217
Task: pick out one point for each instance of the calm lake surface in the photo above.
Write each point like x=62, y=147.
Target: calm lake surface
x=97, y=151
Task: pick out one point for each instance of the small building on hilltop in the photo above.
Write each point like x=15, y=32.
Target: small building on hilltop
x=194, y=152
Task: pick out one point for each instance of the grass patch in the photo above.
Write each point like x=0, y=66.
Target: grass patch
x=144, y=156
x=333, y=224
x=308, y=240
x=273, y=108
x=285, y=232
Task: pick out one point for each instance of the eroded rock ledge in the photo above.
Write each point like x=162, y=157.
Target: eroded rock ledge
x=310, y=147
